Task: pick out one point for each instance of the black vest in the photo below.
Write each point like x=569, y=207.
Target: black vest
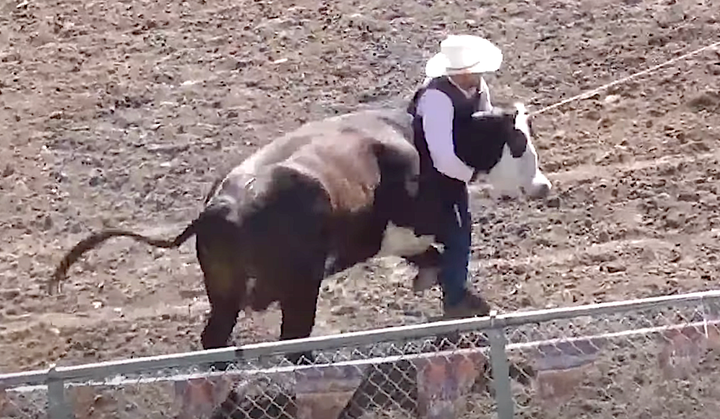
x=463, y=107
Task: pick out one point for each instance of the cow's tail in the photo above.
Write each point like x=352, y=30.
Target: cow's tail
x=98, y=238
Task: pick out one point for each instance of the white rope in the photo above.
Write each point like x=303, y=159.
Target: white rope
x=625, y=79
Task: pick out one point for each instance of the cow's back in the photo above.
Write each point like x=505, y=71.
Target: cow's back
x=392, y=127
x=352, y=153
x=341, y=152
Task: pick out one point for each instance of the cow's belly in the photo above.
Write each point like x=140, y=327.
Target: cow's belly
x=401, y=241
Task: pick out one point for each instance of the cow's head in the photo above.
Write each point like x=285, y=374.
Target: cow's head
x=499, y=144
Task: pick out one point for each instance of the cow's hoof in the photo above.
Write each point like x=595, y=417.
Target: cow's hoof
x=301, y=358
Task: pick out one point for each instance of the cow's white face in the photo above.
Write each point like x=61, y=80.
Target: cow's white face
x=519, y=172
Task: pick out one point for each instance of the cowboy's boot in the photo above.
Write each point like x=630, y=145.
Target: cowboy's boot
x=471, y=305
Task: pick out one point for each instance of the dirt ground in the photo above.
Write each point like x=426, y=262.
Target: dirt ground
x=122, y=113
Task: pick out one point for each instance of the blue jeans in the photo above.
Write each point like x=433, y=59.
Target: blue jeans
x=456, y=239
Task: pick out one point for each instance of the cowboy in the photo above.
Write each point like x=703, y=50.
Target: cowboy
x=453, y=90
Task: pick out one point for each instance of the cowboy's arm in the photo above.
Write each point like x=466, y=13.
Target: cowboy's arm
x=437, y=113
x=484, y=104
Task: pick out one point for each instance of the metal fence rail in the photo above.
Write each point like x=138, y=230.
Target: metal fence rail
x=642, y=358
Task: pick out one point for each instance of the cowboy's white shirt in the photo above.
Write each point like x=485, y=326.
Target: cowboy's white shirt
x=436, y=110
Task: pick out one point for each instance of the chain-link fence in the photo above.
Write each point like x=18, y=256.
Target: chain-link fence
x=651, y=358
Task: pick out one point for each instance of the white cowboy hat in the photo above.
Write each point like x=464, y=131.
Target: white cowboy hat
x=464, y=54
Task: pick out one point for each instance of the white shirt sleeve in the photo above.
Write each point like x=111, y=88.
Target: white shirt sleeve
x=436, y=110
x=484, y=104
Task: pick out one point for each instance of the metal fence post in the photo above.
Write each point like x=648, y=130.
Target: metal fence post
x=500, y=370
x=57, y=407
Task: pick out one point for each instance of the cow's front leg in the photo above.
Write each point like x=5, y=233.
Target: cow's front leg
x=299, y=306
x=356, y=248
x=428, y=265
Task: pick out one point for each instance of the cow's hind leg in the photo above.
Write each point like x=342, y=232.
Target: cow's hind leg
x=225, y=284
x=299, y=307
x=224, y=311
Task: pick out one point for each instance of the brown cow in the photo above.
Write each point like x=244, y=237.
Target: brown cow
x=323, y=198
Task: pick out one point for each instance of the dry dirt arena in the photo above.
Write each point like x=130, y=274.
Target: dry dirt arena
x=122, y=113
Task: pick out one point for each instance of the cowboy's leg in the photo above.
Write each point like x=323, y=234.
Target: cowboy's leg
x=455, y=257
x=458, y=301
